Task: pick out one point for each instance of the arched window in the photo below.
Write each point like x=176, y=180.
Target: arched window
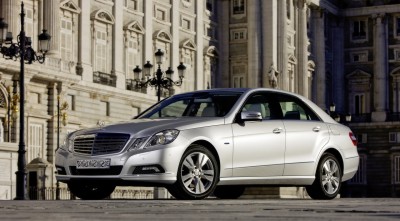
x=102, y=26
x=69, y=31
x=188, y=57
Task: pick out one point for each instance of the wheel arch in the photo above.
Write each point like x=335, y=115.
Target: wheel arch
x=211, y=148
x=338, y=156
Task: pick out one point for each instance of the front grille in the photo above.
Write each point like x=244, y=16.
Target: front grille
x=113, y=170
x=101, y=143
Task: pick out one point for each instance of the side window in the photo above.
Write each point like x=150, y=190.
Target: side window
x=265, y=105
x=295, y=109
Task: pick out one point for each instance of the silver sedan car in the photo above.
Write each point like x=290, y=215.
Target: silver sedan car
x=213, y=142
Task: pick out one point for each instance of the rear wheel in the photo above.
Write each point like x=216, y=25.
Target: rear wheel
x=328, y=178
x=229, y=192
x=91, y=191
x=198, y=174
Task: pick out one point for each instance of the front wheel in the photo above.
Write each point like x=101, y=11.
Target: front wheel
x=91, y=191
x=197, y=176
x=328, y=178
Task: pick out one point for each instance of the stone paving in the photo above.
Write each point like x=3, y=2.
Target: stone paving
x=210, y=209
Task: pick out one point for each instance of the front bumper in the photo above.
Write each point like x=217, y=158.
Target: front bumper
x=125, y=167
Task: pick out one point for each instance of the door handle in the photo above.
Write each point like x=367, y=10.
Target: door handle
x=277, y=130
x=316, y=129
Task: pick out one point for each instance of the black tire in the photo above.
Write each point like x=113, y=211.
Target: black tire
x=195, y=181
x=328, y=178
x=91, y=191
x=229, y=192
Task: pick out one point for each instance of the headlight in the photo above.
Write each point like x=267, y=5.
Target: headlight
x=137, y=143
x=68, y=143
x=163, y=137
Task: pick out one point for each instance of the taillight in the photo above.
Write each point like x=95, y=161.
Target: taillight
x=353, y=138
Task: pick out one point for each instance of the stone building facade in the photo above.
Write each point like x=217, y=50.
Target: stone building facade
x=331, y=51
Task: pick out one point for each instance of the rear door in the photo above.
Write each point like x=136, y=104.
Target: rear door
x=306, y=135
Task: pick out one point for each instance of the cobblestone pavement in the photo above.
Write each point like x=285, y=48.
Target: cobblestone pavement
x=210, y=209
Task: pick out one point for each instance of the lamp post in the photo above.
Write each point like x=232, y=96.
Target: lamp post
x=22, y=50
x=158, y=80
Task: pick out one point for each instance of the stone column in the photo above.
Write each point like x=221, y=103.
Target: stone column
x=283, y=77
x=223, y=78
x=84, y=65
x=118, y=45
x=380, y=69
x=253, y=45
x=338, y=73
x=10, y=10
x=302, y=49
x=51, y=22
x=269, y=20
x=319, y=43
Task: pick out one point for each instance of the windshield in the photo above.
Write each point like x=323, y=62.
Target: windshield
x=204, y=104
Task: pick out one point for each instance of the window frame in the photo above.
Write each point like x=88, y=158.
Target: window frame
x=356, y=35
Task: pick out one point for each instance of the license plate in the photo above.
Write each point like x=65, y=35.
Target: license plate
x=94, y=163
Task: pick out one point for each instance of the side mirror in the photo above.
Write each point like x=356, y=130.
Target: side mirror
x=251, y=116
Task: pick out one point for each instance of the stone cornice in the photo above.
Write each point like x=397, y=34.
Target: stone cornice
x=368, y=11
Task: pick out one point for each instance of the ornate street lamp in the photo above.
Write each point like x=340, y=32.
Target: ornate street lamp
x=158, y=80
x=22, y=50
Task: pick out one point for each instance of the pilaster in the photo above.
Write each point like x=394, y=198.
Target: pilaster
x=199, y=82
x=302, y=49
x=283, y=77
x=380, y=68
x=84, y=66
x=319, y=42
x=148, y=25
x=223, y=78
x=118, y=44
x=269, y=20
x=175, y=41
x=254, y=43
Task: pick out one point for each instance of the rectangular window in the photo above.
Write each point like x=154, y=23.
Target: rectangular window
x=66, y=40
x=359, y=30
x=105, y=108
x=362, y=138
x=359, y=104
x=398, y=26
x=132, y=55
x=360, y=176
x=70, y=99
x=396, y=169
x=394, y=137
x=131, y=4
x=237, y=35
x=101, y=51
x=238, y=7
x=186, y=24
x=160, y=14
x=35, y=137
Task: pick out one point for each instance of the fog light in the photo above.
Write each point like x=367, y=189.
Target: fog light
x=149, y=169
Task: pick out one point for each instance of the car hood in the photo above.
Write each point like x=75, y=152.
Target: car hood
x=147, y=127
